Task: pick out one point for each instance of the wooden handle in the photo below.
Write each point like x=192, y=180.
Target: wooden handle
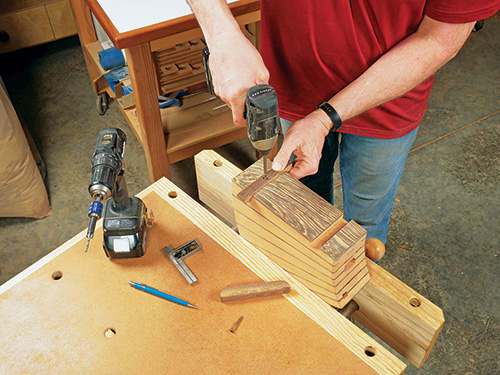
x=236, y=293
x=374, y=249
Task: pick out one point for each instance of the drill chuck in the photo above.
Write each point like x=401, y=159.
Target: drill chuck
x=107, y=162
x=125, y=218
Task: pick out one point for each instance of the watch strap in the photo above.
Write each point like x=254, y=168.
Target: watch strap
x=332, y=114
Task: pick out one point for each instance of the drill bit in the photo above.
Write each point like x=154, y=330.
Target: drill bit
x=88, y=243
x=90, y=231
x=265, y=165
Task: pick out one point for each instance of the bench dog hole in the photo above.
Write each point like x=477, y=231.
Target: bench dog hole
x=109, y=333
x=415, y=302
x=370, y=351
x=57, y=275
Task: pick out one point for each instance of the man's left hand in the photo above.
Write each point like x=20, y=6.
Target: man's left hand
x=305, y=139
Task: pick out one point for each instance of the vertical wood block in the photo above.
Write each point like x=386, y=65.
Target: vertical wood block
x=143, y=75
x=303, y=234
x=213, y=176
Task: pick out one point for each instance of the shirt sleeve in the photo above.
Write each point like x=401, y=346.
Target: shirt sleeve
x=461, y=11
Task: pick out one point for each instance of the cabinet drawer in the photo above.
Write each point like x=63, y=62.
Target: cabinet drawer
x=62, y=19
x=26, y=28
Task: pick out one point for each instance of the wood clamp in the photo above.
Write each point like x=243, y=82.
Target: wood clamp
x=178, y=255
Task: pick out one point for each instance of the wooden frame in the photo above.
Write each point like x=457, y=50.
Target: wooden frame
x=397, y=314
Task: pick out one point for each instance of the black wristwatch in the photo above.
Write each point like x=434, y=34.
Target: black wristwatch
x=332, y=114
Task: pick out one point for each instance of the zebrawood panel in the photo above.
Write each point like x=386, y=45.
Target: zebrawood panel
x=312, y=214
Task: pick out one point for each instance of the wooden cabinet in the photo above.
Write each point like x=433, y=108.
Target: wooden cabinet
x=26, y=23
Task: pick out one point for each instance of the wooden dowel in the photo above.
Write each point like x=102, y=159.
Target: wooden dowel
x=236, y=293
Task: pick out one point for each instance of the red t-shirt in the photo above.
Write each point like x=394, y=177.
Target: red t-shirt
x=315, y=48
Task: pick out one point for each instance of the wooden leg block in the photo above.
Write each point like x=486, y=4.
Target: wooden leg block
x=387, y=305
x=398, y=315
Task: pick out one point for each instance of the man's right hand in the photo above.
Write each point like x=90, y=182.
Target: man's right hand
x=236, y=66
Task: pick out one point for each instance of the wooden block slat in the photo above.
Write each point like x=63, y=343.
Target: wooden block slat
x=274, y=240
x=349, y=236
x=256, y=211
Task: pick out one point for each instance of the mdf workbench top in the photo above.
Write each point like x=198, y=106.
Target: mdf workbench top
x=75, y=313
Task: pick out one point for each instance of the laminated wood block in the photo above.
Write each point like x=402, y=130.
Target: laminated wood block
x=302, y=233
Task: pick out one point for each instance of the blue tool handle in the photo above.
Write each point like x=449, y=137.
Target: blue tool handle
x=111, y=58
x=158, y=293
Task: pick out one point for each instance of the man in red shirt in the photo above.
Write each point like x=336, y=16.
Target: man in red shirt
x=362, y=68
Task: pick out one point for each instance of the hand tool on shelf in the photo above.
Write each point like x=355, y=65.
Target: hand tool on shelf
x=172, y=99
x=126, y=219
x=261, y=113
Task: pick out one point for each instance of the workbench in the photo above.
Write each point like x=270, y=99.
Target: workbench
x=74, y=312
x=146, y=31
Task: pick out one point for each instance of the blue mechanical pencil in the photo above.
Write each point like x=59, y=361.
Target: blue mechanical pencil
x=160, y=294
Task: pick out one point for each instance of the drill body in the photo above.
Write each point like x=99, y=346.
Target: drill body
x=125, y=218
x=262, y=119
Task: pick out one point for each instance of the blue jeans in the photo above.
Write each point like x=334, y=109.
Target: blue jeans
x=370, y=169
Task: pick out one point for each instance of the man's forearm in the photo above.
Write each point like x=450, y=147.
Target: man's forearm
x=214, y=17
x=402, y=68
x=235, y=63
